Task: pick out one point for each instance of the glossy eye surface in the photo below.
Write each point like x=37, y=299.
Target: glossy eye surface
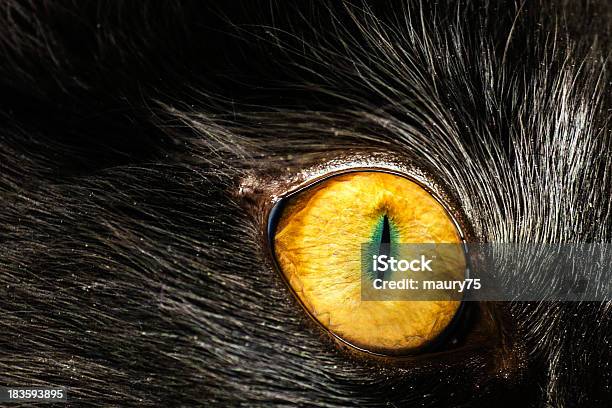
x=317, y=243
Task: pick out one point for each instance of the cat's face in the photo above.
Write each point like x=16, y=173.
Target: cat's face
x=143, y=148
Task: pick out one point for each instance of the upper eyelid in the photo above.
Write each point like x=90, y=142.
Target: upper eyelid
x=259, y=192
x=296, y=178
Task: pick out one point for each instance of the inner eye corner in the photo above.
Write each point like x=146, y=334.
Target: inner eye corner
x=389, y=216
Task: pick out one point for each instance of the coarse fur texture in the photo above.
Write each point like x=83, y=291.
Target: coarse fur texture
x=132, y=269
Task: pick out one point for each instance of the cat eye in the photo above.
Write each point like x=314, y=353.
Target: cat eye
x=317, y=235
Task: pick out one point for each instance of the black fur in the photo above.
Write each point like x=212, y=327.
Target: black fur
x=140, y=143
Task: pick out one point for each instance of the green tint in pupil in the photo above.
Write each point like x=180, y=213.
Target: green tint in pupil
x=384, y=239
x=385, y=233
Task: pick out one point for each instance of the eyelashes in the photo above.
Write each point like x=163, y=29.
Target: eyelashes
x=317, y=236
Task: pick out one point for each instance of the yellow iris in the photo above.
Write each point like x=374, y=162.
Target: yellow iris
x=318, y=242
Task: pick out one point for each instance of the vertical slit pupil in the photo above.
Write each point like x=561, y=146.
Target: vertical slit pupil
x=385, y=242
x=385, y=237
